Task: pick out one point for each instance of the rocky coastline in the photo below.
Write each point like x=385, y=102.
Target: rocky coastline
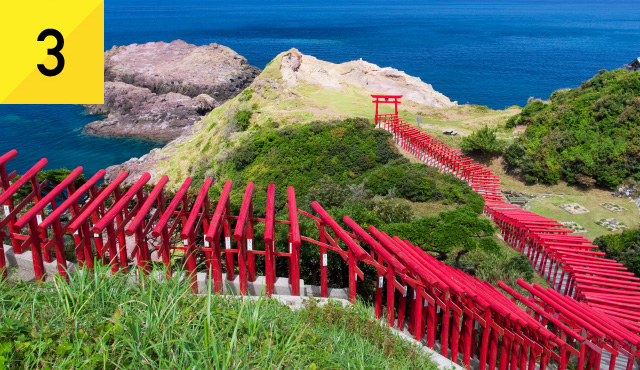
x=159, y=90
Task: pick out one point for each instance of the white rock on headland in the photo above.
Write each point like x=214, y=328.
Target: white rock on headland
x=297, y=67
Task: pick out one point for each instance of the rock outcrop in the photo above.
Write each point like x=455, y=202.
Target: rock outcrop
x=136, y=111
x=297, y=67
x=160, y=90
x=136, y=167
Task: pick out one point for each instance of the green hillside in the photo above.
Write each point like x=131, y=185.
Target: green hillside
x=589, y=135
x=353, y=169
x=271, y=103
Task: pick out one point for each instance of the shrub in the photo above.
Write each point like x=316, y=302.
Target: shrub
x=623, y=247
x=242, y=156
x=53, y=177
x=484, y=141
x=328, y=193
x=516, y=160
x=480, y=108
x=383, y=179
x=520, y=265
x=460, y=231
x=242, y=118
x=246, y=95
x=415, y=187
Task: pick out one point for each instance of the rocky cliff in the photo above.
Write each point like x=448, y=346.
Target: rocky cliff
x=160, y=90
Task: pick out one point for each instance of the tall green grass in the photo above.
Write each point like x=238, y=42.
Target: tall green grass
x=95, y=322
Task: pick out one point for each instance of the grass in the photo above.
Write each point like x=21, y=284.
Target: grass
x=427, y=209
x=96, y=322
x=548, y=198
x=548, y=206
x=462, y=118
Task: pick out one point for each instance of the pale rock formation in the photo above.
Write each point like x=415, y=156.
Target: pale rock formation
x=297, y=67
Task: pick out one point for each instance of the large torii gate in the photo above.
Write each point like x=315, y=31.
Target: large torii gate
x=386, y=99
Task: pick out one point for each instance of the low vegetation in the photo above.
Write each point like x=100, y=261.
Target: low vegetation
x=589, y=135
x=97, y=323
x=623, y=247
x=350, y=152
x=53, y=178
x=483, y=141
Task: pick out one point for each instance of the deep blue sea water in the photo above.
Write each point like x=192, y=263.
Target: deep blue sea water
x=495, y=53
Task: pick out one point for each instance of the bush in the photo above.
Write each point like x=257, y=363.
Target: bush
x=512, y=121
x=415, y=187
x=516, y=159
x=519, y=265
x=242, y=118
x=328, y=193
x=302, y=155
x=623, y=247
x=460, y=231
x=483, y=141
x=531, y=108
x=245, y=95
x=53, y=177
x=242, y=156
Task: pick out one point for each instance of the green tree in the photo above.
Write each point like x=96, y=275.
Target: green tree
x=459, y=231
x=623, y=247
x=242, y=118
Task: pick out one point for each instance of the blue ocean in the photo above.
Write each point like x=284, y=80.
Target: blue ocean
x=495, y=53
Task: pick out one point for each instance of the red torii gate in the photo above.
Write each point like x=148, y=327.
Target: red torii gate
x=386, y=99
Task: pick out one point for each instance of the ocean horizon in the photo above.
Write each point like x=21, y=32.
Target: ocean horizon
x=496, y=53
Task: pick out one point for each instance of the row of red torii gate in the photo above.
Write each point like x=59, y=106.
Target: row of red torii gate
x=589, y=316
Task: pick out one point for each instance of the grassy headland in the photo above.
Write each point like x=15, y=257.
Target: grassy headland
x=271, y=102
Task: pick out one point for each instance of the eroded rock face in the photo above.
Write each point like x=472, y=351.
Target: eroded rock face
x=297, y=67
x=160, y=90
x=136, y=111
x=190, y=70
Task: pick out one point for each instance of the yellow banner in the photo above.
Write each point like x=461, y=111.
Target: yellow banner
x=52, y=52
